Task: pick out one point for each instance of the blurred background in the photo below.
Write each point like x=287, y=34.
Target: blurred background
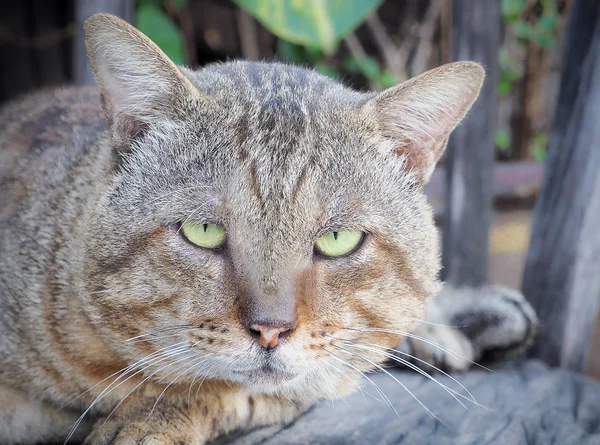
x=368, y=44
x=485, y=189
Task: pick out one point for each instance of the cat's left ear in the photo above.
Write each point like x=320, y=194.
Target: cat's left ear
x=418, y=115
x=139, y=84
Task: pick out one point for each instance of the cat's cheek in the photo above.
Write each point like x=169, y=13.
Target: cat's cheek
x=383, y=292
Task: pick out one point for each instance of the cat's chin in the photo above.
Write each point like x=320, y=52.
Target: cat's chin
x=277, y=383
x=266, y=379
x=305, y=387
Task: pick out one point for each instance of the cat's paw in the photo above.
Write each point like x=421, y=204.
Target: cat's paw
x=435, y=347
x=499, y=321
x=217, y=413
x=489, y=325
x=137, y=433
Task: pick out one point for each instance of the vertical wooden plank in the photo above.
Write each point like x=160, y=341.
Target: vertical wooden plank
x=562, y=275
x=17, y=73
x=49, y=67
x=593, y=363
x=82, y=72
x=470, y=157
x=248, y=35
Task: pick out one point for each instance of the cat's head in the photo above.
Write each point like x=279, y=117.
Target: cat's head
x=263, y=224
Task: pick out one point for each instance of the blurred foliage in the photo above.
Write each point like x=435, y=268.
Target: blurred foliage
x=311, y=23
x=309, y=33
x=307, y=55
x=526, y=23
x=503, y=140
x=368, y=67
x=372, y=70
x=541, y=29
x=539, y=146
x=153, y=21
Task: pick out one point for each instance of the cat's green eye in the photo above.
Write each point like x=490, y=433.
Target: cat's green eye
x=340, y=243
x=207, y=235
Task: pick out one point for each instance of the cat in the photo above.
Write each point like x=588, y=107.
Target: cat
x=188, y=253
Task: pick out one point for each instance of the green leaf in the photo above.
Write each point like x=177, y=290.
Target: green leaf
x=550, y=6
x=159, y=27
x=290, y=52
x=504, y=87
x=314, y=52
x=320, y=23
x=539, y=154
x=327, y=70
x=351, y=65
x=538, y=146
x=370, y=68
x=511, y=9
x=388, y=79
x=502, y=139
x=548, y=22
x=545, y=41
x=522, y=29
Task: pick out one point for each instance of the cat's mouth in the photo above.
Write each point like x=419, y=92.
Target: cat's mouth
x=267, y=374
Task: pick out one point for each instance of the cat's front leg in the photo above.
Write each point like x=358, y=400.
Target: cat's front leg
x=489, y=324
x=176, y=423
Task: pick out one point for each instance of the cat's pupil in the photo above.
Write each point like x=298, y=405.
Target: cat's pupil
x=335, y=235
x=205, y=227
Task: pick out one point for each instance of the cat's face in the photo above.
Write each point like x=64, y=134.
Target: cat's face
x=275, y=157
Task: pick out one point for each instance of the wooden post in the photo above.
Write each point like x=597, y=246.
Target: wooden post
x=82, y=73
x=17, y=70
x=470, y=156
x=562, y=272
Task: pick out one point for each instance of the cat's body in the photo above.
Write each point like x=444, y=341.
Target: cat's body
x=95, y=274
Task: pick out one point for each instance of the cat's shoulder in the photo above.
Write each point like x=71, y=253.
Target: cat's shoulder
x=48, y=112
x=43, y=133
x=51, y=118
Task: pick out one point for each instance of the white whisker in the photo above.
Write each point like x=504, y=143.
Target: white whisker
x=158, y=337
x=182, y=327
x=110, y=388
x=350, y=379
x=424, y=340
x=470, y=399
x=125, y=370
x=185, y=358
x=197, y=361
x=372, y=363
x=439, y=324
x=377, y=388
x=434, y=367
x=411, y=366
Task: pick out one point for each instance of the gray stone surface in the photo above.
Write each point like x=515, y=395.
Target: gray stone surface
x=527, y=403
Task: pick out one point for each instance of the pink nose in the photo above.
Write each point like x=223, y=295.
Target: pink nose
x=268, y=336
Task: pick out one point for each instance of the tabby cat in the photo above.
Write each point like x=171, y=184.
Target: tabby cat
x=187, y=253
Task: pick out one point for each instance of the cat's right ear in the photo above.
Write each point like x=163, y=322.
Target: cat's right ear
x=417, y=116
x=139, y=84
